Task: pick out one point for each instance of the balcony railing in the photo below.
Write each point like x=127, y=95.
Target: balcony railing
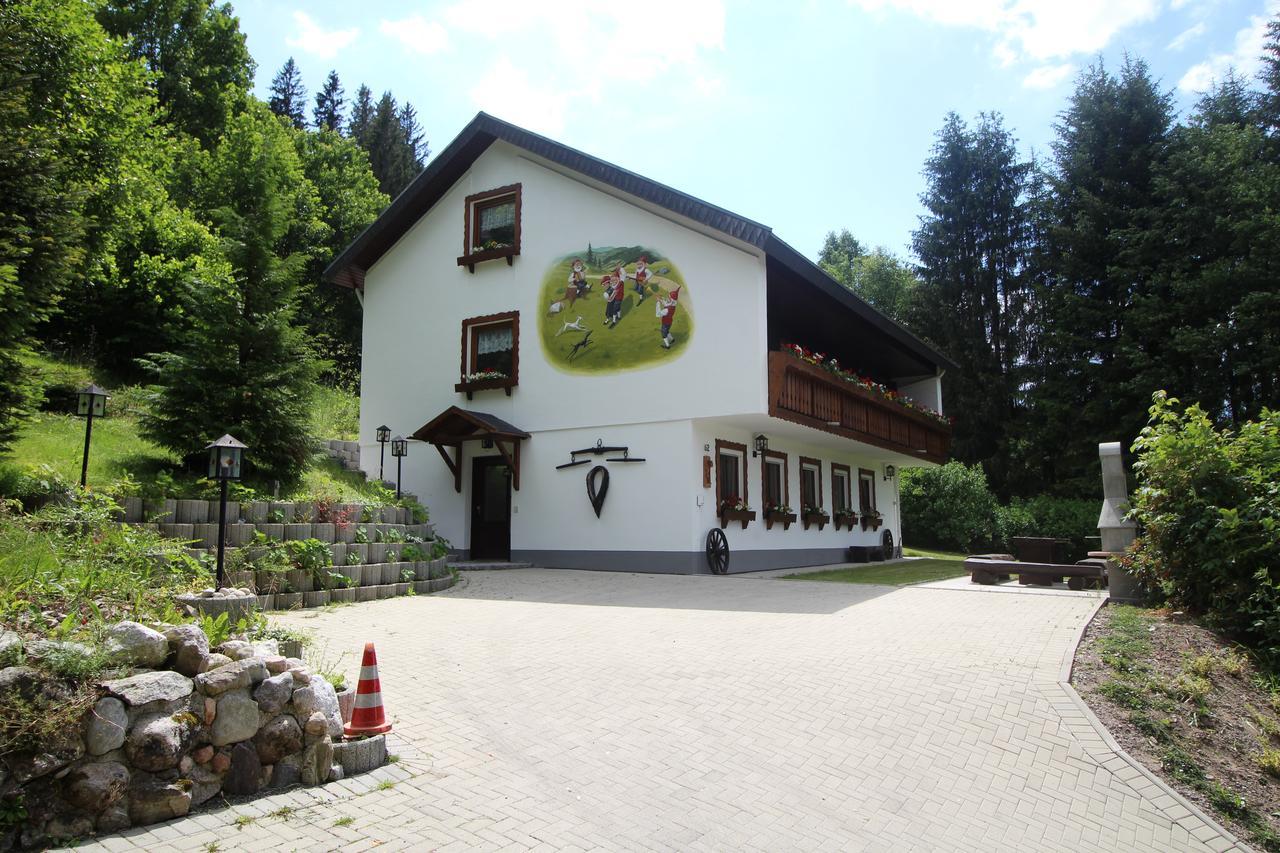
x=806, y=394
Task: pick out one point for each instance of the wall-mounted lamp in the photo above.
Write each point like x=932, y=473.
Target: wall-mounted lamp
x=761, y=444
x=890, y=472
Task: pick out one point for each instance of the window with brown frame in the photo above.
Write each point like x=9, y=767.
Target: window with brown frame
x=490, y=352
x=773, y=479
x=810, y=483
x=841, y=500
x=866, y=491
x=731, y=472
x=492, y=226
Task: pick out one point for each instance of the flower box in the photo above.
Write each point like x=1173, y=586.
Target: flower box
x=818, y=518
x=475, y=257
x=746, y=516
x=773, y=516
x=470, y=386
x=845, y=519
x=872, y=522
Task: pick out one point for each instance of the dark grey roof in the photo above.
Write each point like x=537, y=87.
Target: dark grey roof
x=449, y=165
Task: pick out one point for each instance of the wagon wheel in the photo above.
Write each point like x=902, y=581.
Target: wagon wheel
x=717, y=551
x=886, y=544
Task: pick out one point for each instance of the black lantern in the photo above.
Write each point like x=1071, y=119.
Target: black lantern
x=761, y=445
x=399, y=449
x=225, y=456
x=384, y=435
x=92, y=403
x=890, y=472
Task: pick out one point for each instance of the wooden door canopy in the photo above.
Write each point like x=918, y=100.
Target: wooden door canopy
x=450, y=429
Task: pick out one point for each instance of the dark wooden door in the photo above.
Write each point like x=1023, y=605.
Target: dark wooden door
x=490, y=509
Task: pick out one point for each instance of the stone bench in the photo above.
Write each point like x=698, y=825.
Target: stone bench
x=986, y=571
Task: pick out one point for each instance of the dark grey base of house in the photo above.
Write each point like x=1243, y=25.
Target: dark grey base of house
x=680, y=562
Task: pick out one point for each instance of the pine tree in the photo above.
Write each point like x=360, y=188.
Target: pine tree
x=328, y=109
x=361, y=117
x=838, y=254
x=288, y=97
x=243, y=366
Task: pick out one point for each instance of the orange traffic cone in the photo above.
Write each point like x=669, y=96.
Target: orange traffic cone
x=368, y=718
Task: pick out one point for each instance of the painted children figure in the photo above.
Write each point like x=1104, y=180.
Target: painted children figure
x=668, y=304
x=642, y=277
x=613, y=289
x=578, y=278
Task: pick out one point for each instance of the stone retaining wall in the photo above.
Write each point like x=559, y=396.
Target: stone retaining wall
x=235, y=720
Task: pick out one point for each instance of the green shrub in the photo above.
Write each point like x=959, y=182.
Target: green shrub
x=1046, y=515
x=950, y=507
x=1208, y=501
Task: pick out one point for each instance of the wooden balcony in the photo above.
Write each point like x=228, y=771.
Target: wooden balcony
x=806, y=394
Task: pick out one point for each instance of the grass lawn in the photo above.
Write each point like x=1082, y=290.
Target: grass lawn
x=908, y=551
x=896, y=574
x=116, y=450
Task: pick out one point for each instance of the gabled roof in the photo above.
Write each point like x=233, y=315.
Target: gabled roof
x=455, y=425
x=348, y=269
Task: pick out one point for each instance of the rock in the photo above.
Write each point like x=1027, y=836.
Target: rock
x=210, y=710
x=300, y=676
x=245, y=774
x=274, y=693
x=156, y=742
x=278, y=738
x=115, y=818
x=236, y=675
x=205, y=784
x=21, y=681
x=237, y=718
x=327, y=704
x=56, y=752
x=188, y=645
x=287, y=771
x=10, y=648
x=153, y=799
x=361, y=756
x=105, y=726
x=132, y=643
x=236, y=649
x=63, y=827
x=275, y=664
x=46, y=649
x=213, y=660
x=220, y=762
x=202, y=755
x=317, y=724
x=266, y=648
x=148, y=687
x=336, y=773
x=93, y=787
x=304, y=702
x=316, y=761
x=185, y=764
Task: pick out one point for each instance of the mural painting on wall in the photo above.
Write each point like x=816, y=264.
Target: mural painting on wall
x=610, y=308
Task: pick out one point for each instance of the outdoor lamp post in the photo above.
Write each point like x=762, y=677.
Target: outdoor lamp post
x=761, y=445
x=384, y=435
x=224, y=464
x=92, y=404
x=399, y=449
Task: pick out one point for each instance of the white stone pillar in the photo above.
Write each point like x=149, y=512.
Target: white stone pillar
x=1114, y=526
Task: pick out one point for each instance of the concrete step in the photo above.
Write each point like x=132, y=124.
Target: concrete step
x=486, y=565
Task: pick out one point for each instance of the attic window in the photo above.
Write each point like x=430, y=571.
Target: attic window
x=492, y=226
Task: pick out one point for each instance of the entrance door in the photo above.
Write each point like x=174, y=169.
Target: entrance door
x=490, y=509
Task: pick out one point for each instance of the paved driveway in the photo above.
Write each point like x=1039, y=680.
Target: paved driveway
x=563, y=710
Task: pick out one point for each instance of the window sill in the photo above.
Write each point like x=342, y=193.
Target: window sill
x=485, y=385
x=470, y=261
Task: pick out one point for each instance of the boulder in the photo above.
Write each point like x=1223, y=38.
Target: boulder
x=64, y=827
x=105, y=726
x=203, y=755
x=245, y=773
x=188, y=645
x=22, y=681
x=288, y=771
x=156, y=742
x=213, y=660
x=10, y=648
x=237, y=718
x=155, y=798
x=93, y=787
x=136, y=644
x=316, y=725
x=266, y=648
x=55, y=753
x=115, y=818
x=46, y=649
x=148, y=687
x=205, y=784
x=326, y=702
x=234, y=676
x=274, y=693
x=236, y=649
x=316, y=761
x=220, y=762
x=278, y=738
x=276, y=664
x=304, y=702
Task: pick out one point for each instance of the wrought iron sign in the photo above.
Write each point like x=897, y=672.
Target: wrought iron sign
x=598, y=476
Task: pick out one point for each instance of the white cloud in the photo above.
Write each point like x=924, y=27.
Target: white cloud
x=1245, y=58
x=317, y=41
x=1187, y=36
x=1048, y=76
x=417, y=34
x=507, y=92
x=1039, y=30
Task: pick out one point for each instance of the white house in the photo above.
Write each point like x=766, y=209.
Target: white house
x=590, y=365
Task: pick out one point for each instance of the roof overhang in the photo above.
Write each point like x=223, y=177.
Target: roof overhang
x=455, y=426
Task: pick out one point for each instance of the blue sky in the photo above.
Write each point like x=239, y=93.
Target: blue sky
x=806, y=116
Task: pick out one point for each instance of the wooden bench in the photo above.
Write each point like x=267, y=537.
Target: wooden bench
x=1092, y=572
